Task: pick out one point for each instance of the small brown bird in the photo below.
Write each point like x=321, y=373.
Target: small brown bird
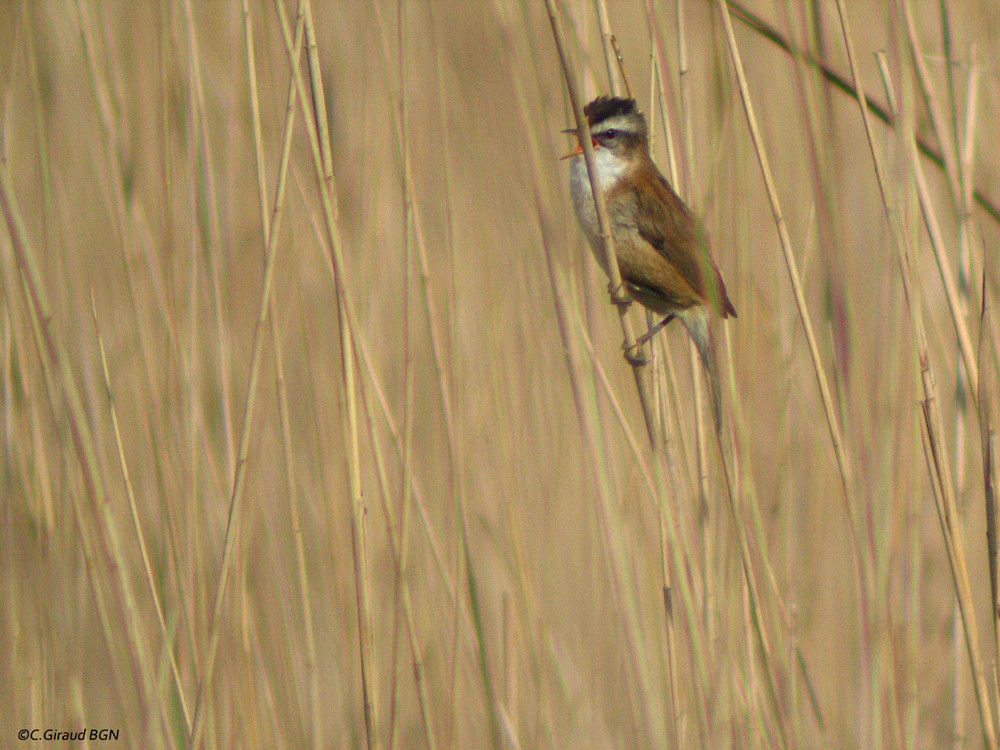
x=663, y=251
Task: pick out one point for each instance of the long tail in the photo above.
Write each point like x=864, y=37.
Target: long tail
x=695, y=320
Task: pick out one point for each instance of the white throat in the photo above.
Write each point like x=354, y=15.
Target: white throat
x=610, y=169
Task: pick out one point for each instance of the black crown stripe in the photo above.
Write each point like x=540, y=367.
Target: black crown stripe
x=605, y=107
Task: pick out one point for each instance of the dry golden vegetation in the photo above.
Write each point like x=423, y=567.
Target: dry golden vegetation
x=316, y=428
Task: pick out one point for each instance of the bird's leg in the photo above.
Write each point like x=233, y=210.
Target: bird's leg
x=654, y=330
x=633, y=354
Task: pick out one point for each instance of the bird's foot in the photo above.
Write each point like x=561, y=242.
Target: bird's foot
x=619, y=297
x=635, y=356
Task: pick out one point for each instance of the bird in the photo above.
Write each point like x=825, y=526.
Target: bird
x=663, y=249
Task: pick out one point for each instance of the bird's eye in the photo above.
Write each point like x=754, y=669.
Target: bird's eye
x=611, y=134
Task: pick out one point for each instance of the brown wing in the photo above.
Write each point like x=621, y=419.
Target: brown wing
x=666, y=223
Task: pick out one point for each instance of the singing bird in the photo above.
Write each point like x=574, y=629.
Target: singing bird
x=662, y=248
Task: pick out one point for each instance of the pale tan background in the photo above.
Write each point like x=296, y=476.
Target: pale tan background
x=132, y=159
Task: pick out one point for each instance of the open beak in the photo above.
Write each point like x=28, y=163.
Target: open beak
x=571, y=154
x=578, y=149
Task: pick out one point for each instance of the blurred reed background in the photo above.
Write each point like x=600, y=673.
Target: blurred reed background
x=384, y=480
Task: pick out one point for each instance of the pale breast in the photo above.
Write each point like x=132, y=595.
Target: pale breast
x=609, y=170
